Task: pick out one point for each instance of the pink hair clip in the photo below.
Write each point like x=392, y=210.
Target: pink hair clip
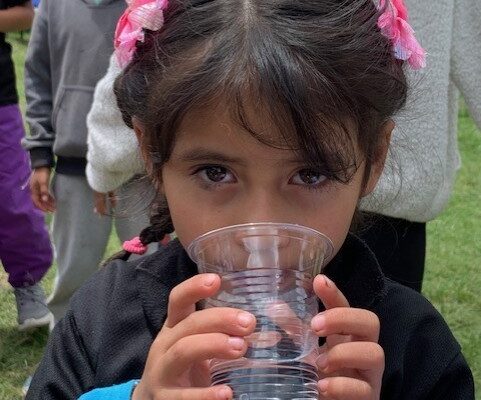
x=135, y=246
x=393, y=23
x=139, y=15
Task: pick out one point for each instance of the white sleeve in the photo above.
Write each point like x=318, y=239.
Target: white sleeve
x=113, y=155
x=466, y=54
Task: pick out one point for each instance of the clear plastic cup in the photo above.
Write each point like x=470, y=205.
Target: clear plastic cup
x=267, y=269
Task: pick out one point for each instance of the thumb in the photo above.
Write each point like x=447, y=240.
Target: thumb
x=44, y=193
x=328, y=293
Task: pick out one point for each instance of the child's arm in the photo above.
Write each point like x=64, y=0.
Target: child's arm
x=176, y=365
x=18, y=16
x=38, y=90
x=113, y=155
x=455, y=383
x=66, y=369
x=425, y=362
x=466, y=54
x=117, y=392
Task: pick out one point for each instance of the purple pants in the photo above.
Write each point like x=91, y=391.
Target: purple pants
x=25, y=249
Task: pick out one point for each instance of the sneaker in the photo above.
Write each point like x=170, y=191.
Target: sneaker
x=32, y=307
x=26, y=386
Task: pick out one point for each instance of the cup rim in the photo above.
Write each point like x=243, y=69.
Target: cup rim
x=294, y=227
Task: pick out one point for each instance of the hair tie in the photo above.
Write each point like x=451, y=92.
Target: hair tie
x=393, y=23
x=134, y=246
x=149, y=14
x=139, y=15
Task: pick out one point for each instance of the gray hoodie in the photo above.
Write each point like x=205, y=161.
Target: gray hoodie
x=68, y=53
x=421, y=170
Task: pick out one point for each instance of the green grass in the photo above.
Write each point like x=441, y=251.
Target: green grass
x=19, y=44
x=453, y=278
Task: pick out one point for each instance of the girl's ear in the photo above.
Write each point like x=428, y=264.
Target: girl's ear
x=381, y=154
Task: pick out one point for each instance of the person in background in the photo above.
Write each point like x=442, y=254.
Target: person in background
x=25, y=250
x=68, y=53
x=419, y=177
x=113, y=156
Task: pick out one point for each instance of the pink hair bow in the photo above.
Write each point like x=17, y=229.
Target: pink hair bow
x=393, y=23
x=135, y=246
x=140, y=15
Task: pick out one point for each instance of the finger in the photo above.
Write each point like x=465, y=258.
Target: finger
x=100, y=209
x=35, y=193
x=51, y=206
x=45, y=198
x=210, y=393
x=197, y=348
x=328, y=292
x=344, y=388
x=99, y=200
x=360, y=324
x=44, y=192
x=112, y=199
x=334, y=340
x=365, y=357
x=229, y=321
x=183, y=297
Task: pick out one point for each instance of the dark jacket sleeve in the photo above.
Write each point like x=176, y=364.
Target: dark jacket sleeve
x=102, y=341
x=423, y=358
x=66, y=370
x=38, y=91
x=455, y=383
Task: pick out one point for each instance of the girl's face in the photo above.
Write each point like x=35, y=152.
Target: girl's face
x=219, y=175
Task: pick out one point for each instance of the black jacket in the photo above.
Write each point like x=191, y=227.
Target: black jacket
x=106, y=335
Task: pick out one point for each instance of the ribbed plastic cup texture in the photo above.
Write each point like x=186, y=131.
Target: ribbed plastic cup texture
x=267, y=269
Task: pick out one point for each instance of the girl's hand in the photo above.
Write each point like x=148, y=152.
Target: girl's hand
x=177, y=364
x=351, y=362
x=39, y=188
x=103, y=202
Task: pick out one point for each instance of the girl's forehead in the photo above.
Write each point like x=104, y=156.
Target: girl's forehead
x=218, y=124
x=226, y=141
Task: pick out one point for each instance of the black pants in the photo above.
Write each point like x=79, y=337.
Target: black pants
x=400, y=247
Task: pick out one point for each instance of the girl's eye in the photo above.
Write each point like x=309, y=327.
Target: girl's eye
x=216, y=174
x=308, y=177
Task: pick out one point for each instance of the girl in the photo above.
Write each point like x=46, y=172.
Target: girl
x=250, y=111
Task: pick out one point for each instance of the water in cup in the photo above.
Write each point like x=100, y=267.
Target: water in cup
x=267, y=270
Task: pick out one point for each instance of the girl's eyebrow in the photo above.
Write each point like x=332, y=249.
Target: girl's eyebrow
x=205, y=155
x=201, y=154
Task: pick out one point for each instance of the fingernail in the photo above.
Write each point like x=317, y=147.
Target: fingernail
x=209, y=279
x=224, y=393
x=236, y=343
x=318, y=323
x=322, y=385
x=245, y=319
x=328, y=282
x=322, y=361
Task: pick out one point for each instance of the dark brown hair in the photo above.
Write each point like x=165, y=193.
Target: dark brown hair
x=320, y=69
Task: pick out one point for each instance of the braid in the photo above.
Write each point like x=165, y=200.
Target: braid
x=160, y=225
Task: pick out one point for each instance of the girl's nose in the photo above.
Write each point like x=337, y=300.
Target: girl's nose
x=264, y=238
x=263, y=245
x=263, y=206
